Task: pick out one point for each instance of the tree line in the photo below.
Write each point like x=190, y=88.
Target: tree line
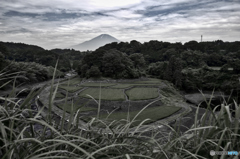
x=188, y=65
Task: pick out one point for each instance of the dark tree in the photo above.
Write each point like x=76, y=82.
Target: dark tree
x=93, y=72
x=174, y=71
x=2, y=61
x=138, y=60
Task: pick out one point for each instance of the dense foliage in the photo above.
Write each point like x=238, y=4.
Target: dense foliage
x=186, y=66
x=189, y=65
x=26, y=73
x=111, y=63
x=181, y=64
x=68, y=59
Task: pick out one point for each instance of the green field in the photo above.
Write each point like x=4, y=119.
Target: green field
x=142, y=93
x=155, y=113
x=73, y=81
x=76, y=107
x=70, y=89
x=106, y=94
x=129, y=85
x=122, y=86
x=97, y=84
x=150, y=81
x=135, y=90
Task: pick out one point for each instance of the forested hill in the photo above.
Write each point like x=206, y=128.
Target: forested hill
x=19, y=47
x=34, y=64
x=189, y=66
x=20, y=52
x=215, y=53
x=162, y=51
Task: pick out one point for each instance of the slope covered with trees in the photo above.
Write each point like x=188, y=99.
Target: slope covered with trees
x=29, y=53
x=111, y=63
x=189, y=66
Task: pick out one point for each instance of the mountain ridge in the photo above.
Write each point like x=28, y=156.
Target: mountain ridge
x=95, y=43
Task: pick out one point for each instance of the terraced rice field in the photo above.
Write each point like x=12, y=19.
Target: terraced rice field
x=68, y=107
x=150, y=81
x=70, y=89
x=139, y=93
x=117, y=96
x=122, y=86
x=97, y=84
x=73, y=81
x=153, y=114
x=106, y=94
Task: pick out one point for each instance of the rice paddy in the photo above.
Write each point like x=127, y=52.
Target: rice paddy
x=153, y=114
x=82, y=108
x=117, y=96
x=106, y=94
x=122, y=86
x=150, y=81
x=70, y=89
x=142, y=93
x=73, y=81
x=97, y=84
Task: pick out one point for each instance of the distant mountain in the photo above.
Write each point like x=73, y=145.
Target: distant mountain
x=95, y=43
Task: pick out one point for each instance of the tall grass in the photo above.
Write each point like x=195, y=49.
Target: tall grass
x=20, y=138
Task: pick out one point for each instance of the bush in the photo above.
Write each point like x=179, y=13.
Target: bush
x=93, y=72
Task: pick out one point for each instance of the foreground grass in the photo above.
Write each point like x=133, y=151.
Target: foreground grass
x=142, y=93
x=106, y=94
x=19, y=137
x=59, y=95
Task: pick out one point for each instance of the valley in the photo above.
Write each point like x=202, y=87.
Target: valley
x=156, y=94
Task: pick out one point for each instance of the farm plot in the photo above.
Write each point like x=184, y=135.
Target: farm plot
x=106, y=94
x=154, y=114
x=73, y=81
x=150, y=81
x=122, y=86
x=129, y=85
x=141, y=93
x=68, y=107
x=97, y=84
x=70, y=89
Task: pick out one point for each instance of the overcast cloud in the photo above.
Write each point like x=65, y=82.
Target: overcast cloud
x=63, y=23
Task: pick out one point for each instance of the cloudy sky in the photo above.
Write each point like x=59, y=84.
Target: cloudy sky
x=63, y=23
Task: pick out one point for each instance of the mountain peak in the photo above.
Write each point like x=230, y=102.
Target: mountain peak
x=95, y=43
x=105, y=36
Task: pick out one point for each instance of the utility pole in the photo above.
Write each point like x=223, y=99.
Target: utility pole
x=201, y=38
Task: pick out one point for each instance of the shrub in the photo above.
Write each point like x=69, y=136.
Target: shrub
x=93, y=72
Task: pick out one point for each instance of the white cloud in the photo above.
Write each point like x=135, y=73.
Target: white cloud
x=173, y=20
x=124, y=14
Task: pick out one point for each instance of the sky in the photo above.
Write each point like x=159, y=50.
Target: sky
x=63, y=23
